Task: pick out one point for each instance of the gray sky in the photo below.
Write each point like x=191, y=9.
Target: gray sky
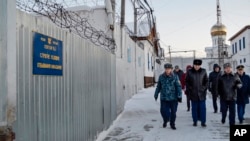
x=186, y=24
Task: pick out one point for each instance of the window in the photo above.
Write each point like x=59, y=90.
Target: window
x=244, y=60
x=139, y=61
x=235, y=46
x=240, y=61
x=152, y=67
x=129, y=54
x=244, y=42
x=240, y=44
x=148, y=62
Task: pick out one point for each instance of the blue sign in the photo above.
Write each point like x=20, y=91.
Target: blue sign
x=47, y=55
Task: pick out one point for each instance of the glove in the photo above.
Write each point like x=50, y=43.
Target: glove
x=210, y=89
x=155, y=98
x=179, y=100
x=239, y=86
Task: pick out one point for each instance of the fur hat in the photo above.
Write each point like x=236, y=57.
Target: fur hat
x=197, y=62
x=168, y=65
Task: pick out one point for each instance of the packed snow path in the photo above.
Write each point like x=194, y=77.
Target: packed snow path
x=141, y=121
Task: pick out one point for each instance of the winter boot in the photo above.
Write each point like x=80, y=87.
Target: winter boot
x=223, y=121
x=164, y=125
x=203, y=125
x=173, y=127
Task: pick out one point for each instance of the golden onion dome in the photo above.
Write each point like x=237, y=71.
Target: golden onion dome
x=218, y=29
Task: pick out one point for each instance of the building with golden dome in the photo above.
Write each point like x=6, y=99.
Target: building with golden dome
x=218, y=30
x=218, y=52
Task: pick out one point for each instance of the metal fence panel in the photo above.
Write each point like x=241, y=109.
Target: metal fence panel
x=3, y=62
x=72, y=107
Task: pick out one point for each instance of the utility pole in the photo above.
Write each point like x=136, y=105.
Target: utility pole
x=122, y=13
x=135, y=19
x=194, y=52
x=122, y=25
x=135, y=34
x=114, y=10
x=169, y=51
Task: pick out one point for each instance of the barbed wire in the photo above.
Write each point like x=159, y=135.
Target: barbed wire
x=69, y=20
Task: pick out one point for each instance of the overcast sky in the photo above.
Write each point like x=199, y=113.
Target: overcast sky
x=186, y=24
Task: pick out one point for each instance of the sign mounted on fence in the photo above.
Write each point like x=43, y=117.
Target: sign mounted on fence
x=47, y=55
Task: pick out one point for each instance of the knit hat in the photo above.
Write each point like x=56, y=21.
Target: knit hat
x=188, y=67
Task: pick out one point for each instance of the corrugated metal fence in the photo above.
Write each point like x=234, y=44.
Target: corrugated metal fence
x=74, y=107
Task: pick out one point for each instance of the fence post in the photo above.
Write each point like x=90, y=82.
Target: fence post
x=7, y=68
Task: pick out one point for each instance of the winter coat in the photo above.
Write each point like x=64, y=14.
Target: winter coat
x=196, y=84
x=169, y=87
x=244, y=92
x=227, y=85
x=183, y=78
x=213, y=79
x=183, y=82
x=179, y=73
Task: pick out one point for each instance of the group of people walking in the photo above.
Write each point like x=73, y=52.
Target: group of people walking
x=230, y=88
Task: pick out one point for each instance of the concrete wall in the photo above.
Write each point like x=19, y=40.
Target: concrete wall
x=182, y=62
x=129, y=67
x=159, y=69
x=149, y=59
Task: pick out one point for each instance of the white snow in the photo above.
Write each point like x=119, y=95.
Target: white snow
x=141, y=121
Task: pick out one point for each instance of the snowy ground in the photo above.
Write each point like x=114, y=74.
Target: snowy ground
x=141, y=121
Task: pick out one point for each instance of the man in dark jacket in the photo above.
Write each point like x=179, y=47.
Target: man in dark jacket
x=243, y=93
x=227, y=85
x=197, y=83
x=170, y=88
x=178, y=71
x=213, y=78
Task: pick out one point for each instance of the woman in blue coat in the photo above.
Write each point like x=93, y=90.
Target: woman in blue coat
x=242, y=93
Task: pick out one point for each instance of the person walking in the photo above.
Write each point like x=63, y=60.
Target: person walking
x=213, y=78
x=197, y=83
x=243, y=93
x=170, y=88
x=178, y=71
x=183, y=86
x=228, y=82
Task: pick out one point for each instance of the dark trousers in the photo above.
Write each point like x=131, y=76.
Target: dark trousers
x=188, y=102
x=241, y=111
x=225, y=105
x=215, y=102
x=168, y=111
x=199, y=111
